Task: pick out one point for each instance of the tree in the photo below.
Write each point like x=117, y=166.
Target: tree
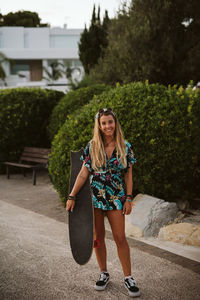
x=58, y=69
x=21, y=18
x=105, y=26
x=115, y=66
x=72, y=73
x=3, y=58
x=93, y=40
x=55, y=73
x=191, y=59
x=154, y=40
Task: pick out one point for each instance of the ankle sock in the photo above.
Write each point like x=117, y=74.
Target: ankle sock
x=127, y=277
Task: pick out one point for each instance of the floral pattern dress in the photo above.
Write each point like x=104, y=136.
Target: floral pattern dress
x=106, y=184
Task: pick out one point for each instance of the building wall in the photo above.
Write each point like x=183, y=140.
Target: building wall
x=12, y=38
x=39, y=38
x=42, y=45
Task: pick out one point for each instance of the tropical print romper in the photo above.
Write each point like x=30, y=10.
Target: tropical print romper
x=106, y=184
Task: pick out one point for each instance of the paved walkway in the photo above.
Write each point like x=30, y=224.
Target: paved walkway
x=36, y=261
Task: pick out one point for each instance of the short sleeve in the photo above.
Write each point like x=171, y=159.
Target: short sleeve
x=86, y=157
x=129, y=156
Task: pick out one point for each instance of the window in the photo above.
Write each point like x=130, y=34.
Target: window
x=19, y=65
x=77, y=63
x=64, y=41
x=26, y=40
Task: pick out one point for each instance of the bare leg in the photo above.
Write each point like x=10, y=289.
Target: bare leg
x=100, y=235
x=117, y=223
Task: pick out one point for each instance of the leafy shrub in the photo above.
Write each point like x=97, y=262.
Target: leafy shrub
x=71, y=102
x=162, y=124
x=24, y=116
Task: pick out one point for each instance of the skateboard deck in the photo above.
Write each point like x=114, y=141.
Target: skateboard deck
x=81, y=228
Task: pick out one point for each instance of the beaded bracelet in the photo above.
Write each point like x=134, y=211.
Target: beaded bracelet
x=129, y=198
x=71, y=198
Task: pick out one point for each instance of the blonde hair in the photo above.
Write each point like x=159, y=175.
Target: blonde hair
x=97, y=150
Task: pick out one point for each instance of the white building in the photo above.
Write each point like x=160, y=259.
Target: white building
x=32, y=50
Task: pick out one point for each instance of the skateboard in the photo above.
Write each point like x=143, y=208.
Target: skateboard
x=81, y=220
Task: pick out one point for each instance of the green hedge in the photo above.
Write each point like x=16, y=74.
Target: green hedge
x=162, y=124
x=24, y=116
x=71, y=102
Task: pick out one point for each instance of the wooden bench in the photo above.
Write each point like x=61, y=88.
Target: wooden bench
x=38, y=157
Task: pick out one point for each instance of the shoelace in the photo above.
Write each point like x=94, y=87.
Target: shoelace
x=131, y=281
x=102, y=276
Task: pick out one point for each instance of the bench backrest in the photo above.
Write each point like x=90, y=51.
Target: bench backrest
x=36, y=155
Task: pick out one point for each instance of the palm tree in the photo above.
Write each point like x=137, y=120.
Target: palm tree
x=3, y=58
x=55, y=72
x=58, y=69
x=70, y=69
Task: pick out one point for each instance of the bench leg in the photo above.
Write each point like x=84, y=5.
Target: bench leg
x=23, y=171
x=34, y=177
x=7, y=172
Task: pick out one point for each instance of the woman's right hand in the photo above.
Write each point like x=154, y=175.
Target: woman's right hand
x=70, y=205
x=80, y=180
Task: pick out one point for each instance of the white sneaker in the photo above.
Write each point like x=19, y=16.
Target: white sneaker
x=102, y=282
x=131, y=286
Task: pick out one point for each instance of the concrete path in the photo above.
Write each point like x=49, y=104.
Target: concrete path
x=36, y=261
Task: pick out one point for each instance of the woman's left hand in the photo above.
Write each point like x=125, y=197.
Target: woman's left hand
x=127, y=207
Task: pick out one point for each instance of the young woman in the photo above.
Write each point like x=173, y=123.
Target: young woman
x=106, y=157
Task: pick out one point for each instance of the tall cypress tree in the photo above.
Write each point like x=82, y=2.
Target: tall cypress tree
x=93, y=21
x=93, y=40
x=105, y=26
x=84, y=49
x=98, y=16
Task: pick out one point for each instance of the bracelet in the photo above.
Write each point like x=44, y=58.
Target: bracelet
x=129, y=200
x=71, y=198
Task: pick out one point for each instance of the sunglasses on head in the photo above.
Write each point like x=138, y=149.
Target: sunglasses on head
x=104, y=111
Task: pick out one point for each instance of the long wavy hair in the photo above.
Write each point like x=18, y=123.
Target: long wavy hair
x=97, y=150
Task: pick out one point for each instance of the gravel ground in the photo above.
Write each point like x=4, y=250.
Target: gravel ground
x=36, y=261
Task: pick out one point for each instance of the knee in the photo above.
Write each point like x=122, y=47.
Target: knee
x=120, y=240
x=100, y=235
x=99, y=239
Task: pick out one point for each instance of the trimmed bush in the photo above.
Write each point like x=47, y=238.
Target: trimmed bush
x=24, y=116
x=162, y=124
x=70, y=103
